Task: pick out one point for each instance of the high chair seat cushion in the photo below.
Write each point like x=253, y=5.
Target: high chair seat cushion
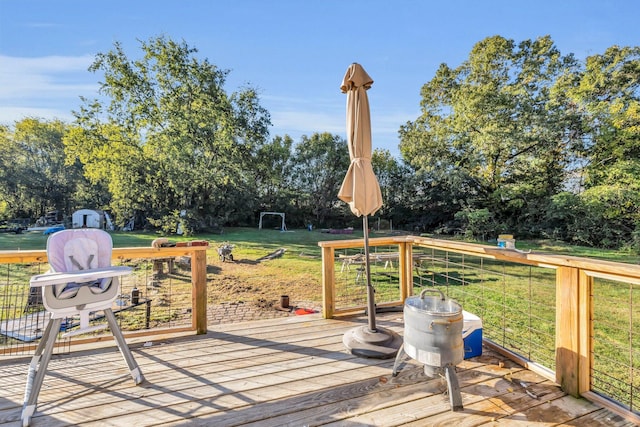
x=74, y=250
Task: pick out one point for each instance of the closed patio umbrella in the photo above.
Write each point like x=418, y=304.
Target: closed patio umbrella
x=361, y=190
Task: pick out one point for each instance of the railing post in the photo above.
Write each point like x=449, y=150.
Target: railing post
x=405, y=267
x=199, y=291
x=573, y=326
x=328, y=282
x=585, y=331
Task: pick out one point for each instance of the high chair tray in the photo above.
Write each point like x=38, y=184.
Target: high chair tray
x=79, y=276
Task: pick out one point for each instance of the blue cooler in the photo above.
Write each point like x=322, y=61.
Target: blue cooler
x=471, y=335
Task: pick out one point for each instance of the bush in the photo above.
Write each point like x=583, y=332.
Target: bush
x=478, y=223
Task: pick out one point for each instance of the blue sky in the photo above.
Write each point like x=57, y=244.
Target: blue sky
x=294, y=52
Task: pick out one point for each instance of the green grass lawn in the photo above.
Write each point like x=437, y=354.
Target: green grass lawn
x=302, y=241
x=297, y=240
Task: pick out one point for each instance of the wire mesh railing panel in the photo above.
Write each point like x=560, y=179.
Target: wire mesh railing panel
x=158, y=294
x=22, y=316
x=516, y=302
x=164, y=287
x=350, y=276
x=615, y=341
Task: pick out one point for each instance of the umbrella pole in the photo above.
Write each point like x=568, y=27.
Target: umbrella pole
x=370, y=340
x=371, y=305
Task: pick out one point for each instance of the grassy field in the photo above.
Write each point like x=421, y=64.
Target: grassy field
x=303, y=241
x=243, y=237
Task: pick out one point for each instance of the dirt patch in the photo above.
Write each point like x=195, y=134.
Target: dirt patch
x=246, y=283
x=246, y=290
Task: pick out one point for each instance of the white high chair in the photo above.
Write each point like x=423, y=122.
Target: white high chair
x=81, y=281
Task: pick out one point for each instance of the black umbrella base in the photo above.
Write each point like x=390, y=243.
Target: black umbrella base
x=379, y=344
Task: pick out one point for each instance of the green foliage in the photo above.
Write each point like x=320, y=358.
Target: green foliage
x=320, y=163
x=489, y=128
x=272, y=171
x=396, y=187
x=4, y=209
x=604, y=216
x=173, y=138
x=172, y=223
x=609, y=216
x=33, y=172
x=479, y=223
x=562, y=216
x=508, y=130
x=608, y=94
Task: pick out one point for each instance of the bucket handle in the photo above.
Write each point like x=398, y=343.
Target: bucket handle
x=424, y=291
x=441, y=322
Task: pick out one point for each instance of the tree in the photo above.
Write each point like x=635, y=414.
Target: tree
x=492, y=130
x=33, y=172
x=320, y=163
x=395, y=185
x=171, y=144
x=273, y=174
x=607, y=93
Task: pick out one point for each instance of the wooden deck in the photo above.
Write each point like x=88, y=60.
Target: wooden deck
x=283, y=372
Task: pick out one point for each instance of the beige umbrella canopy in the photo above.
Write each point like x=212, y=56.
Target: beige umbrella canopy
x=360, y=188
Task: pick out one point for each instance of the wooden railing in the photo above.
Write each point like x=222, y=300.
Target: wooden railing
x=575, y=340
x=198, y=264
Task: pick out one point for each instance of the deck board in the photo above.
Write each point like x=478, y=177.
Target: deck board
x=290, y=371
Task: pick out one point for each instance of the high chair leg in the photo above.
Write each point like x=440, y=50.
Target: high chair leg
x=124, y=348
x=38, y=368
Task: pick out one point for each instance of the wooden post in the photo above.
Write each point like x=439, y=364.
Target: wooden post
x=405, y=269
x=585, y=331
x=199, y=290
x=328, y=282
x=567, y=329
x=158, y=268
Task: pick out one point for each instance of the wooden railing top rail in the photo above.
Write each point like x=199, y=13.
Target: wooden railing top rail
x=24, y=256
x=595, y=266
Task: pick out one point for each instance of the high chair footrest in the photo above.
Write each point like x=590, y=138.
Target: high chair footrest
x=84, y=331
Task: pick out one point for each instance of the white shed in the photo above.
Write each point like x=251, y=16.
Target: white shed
x=90, y=218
